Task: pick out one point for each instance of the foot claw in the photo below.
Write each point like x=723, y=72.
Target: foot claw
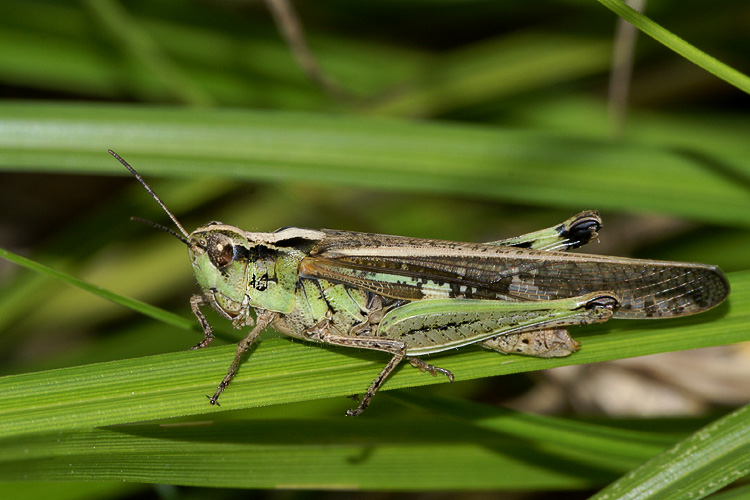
x=353, y=412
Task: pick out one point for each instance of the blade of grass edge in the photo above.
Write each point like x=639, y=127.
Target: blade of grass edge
x=739, y=493
x=136, y=305
x=677, y=44
x=710, y=459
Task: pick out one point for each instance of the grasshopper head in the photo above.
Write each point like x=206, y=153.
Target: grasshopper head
x=241, y=269
x=220, y=255
x=236, y=268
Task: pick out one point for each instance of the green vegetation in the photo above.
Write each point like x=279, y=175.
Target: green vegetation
x=460, y=120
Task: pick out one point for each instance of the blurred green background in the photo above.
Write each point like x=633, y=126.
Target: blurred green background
x=463, y=120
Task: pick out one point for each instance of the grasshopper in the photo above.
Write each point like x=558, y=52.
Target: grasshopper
x=410, y=297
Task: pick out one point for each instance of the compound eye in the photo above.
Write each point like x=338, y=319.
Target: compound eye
x=220, y=251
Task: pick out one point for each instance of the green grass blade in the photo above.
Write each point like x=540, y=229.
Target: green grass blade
x=586, y=442
x=498, y=163
x=393, y=453
x=290, y=454
x=279, y=371
x=136, y=305
x=710, y=459
x=686, y=50
x=739, y=493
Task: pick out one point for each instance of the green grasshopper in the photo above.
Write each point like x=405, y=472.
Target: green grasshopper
x=410, y=297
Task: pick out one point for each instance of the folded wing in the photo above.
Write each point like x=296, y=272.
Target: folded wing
x=412, y=269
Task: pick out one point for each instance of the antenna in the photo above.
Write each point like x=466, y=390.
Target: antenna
x=161, y=228
x=158, y=200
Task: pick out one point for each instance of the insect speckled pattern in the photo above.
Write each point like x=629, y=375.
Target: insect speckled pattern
x=410, y=297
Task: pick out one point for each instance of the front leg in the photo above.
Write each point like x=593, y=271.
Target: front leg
x=265, y=318
x=196, y=301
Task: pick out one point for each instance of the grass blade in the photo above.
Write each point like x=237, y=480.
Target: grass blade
x=482, y=162
x=136, y=305
x=686, y=50
x=346, y=453
x=710, y=459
